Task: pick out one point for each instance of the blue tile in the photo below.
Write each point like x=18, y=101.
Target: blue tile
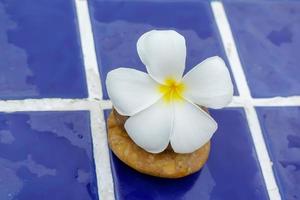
x=40, y=50
x=232, y=171
x=267, y=35
x=46, y=155
x=118, y=25
x=281, y=130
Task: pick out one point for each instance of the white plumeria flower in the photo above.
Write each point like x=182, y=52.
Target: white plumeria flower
x=164, y=106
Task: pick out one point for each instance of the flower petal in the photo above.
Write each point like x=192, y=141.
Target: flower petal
x=164, y=53
x=192, y=127
x=131, y=91
x=151, y=128
x=209, y=84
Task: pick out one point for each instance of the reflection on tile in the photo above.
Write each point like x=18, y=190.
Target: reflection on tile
x=267, y=35
x=118, y=25
x=281, y=130
x=46, y=155
x=232, y=171
x=40, y=50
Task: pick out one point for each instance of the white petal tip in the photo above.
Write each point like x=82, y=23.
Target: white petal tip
x=163, y=52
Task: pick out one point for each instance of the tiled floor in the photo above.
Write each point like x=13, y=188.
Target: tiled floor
x=228, y=161
x=55, y=146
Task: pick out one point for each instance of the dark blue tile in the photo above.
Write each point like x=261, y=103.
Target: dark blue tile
x=118, y=25
x=267, y=36
x=46, y=155
x=281, y=130
x=232, y=171
x=40, y=51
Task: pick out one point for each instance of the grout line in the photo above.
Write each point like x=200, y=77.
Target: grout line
x=100, y=146
x=101, y=155
x=262, y=153
x=45, y=105
x=277, y=101
x=247, y=101
x=106, y=104
x=88, y=50
x=230, y=48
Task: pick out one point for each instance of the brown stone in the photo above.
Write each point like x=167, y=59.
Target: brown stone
x=167, y=164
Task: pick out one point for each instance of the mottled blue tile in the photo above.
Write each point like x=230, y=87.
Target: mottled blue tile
x=232, y=170
x=281, y=128
x=40, y=51
x=46, y=155
x=118, y=25
x=267, y=36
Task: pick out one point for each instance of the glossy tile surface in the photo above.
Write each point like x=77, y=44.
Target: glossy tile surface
x=118, y=25
x=267, y=36
x=40, y=51
x=281, y=130
x=232, y=171
x=46, y=156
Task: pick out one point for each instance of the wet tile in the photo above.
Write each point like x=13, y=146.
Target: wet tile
x=267, y=36
x=281, y=130
x=40, y=50
x=118, y=25
x=232, y=171
x=46, y=155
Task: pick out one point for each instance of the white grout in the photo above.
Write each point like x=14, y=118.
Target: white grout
x=88, y=50
x=100, y=146
x=239, y=101
x=262, y=152
x=44, y=105
x=101, y=155
x=106, y=104
x=230, y=48
x=277, y=101
x=246, y=99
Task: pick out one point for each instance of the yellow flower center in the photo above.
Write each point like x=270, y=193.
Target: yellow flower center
x=172, y=90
